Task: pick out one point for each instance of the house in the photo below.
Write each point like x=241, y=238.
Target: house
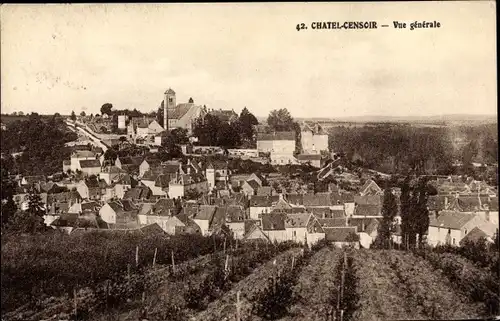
x=367, y=229
x=315, y=160
x=77, y=156
x=367, y=210
x=475, y=235
x=71, y=221
x=235, y=220
x=32, y=180
x=84, y=207
x=129, y=163
x=451, y=227
x=342, y=236
x=227, y=116
x=157, y=183
x=265, y=191
x=250, y=187
x=111, y=174
x=91, y=188
x=281, y=158
x=66, y=165
x=90, y=166
x=138, y=193
x=180, y=115
x=260, y=205
x=190, y=227
x=254, y=232
x=121, y=213
x=370, y=188
x=180, y=184
x=313, y=139
x=301, y=227
x=276, y=142
x=216, y=171
x=147, y=164
x=203, y=218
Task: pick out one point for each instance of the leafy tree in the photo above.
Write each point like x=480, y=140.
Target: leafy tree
x=106, y=109
x=110, y=156
x=73, y=116
x=8, y=207
x=228, y=136
x=192, y=194
x=421, y=212
x=170, y=146
x=389, y=212
x=281, y=120
x=180, y=135
x=407, y=226
x=30, y=221
x=83, y=114
x=246, y=124
x=21, y=113
x=191, y=101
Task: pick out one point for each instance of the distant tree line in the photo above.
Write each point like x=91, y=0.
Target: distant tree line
x=395, y=148
x=40, y=144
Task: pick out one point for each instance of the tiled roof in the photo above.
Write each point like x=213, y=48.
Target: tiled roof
x=263, y=200
x=474, y=235
x=274, y=221
x=179, y=111
x=367, y=210
x=264, y=190
x=276, y=136
x=162, y=180
x=309, y=157
x=368, y=199
x=295, y=199
x=82, y=154
x=138, y=192
x=164, y=206
x=297, y=220
x=318, y=199
x=451, y=220
x=332, y=222
x=90, y=163
x=206, y=212
x=253, y=184
x=338, y=234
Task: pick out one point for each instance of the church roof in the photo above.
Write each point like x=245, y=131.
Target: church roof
x=170, y=91
x=179, y=111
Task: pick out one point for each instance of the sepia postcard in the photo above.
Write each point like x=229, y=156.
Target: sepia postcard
x=249, y=161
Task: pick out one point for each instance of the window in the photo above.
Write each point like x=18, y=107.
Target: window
x=294, y=233
x=465, y=231
x=170, y=100
x=453, y=241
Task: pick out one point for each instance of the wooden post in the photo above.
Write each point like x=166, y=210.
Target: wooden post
x=173, y=262
x=143, y=296
x=293, y=261
x=342, y=286
x=224, y=250
x=338, y=299
x=238, y=307
x=154, y=257
x=137, y=256
x=75, y=303
x=236, y=244
x=341, y=315
x=107, y=294
x=227, y=263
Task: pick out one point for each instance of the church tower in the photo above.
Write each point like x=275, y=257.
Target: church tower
x=168, y=103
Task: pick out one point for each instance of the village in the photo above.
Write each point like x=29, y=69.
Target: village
x=201, y=194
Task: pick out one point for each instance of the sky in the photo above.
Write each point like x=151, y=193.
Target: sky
x=59, y=58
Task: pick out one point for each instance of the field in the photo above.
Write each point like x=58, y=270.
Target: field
x=278, y=282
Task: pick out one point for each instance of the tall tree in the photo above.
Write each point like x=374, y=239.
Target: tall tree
x=106, y=109
x=421, y=211
x=73, y=115
x=281, y=120
x=389, y=212
x=8, y=207
x=83, y=114
x=406, y=212
x=246, y=123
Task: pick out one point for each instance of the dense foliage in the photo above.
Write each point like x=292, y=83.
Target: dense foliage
x=414, y=212
x=41, y=143
x=53, y=264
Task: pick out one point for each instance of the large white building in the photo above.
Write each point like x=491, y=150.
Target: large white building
x=313, y=139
